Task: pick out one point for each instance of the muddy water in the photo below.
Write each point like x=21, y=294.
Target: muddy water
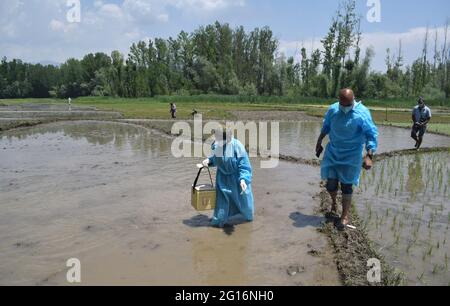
x=112, y=196
x=298, y=139
x=405, y=204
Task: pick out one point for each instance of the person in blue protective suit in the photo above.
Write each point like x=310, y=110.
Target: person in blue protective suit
x=233, y=180
x=349, y=126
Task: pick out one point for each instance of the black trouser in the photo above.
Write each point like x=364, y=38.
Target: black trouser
x=418, y=131
x=333, y=184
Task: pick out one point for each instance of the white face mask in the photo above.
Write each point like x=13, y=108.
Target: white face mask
x=346, y=109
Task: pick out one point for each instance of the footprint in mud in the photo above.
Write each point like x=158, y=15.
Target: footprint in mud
x=294, y=270
x=25, y=244
x=89, y=228
x=314, y=252
x=301, y=220
x=151, y=246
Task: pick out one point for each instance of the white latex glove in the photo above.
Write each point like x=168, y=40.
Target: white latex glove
x=205, y=163
x=243, y=186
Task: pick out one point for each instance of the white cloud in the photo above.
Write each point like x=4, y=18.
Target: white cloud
x=36, y=30
x=207, y=5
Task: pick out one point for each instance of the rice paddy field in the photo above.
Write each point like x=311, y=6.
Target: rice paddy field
x=404, y=204
x=388, y=112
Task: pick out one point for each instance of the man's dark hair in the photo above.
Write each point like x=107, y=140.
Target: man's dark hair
x=421, y=100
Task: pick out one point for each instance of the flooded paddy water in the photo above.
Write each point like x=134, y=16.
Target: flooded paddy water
x=405, y=206
x=112, y=195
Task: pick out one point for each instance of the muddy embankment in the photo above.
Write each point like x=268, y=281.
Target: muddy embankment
x=28, y=115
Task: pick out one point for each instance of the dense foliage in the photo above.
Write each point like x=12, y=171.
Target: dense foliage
x=217, y=59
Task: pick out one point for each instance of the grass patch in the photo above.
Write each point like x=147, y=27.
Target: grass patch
x=438, y=128
x=395, y=112
x=15, y=124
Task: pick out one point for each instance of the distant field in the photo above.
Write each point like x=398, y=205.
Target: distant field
x=441, y=128
x=221, y=107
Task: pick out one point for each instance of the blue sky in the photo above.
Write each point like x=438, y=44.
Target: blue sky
x=38, y=30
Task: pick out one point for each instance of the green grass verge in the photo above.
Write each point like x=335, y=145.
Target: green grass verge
x=439, y=128
x=221, y=107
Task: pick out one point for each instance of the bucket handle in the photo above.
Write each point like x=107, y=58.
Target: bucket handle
x=198, y=176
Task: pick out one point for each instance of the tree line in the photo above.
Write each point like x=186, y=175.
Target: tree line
x=217, y=59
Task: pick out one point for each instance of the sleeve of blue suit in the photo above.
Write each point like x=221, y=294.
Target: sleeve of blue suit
x=245, y=168
x=370, y=131
x=327, y=122
x=213, y=158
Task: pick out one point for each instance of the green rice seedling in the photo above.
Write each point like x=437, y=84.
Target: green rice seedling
x=435, y=269
x=408, y=248
x=394, y=224
x=420, y=278
x=430, y=251
x=397, y=240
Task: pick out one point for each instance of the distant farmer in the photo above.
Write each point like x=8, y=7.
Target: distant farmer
x=173, y=110
x=421, y=116
x=350, y=126
x=70, y=103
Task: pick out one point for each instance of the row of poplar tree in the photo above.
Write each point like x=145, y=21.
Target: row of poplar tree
x=217, y=59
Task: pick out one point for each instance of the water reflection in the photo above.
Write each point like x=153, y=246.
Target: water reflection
x=224, y=263
x=121, y=136
x=415, y=183
x=404, y=202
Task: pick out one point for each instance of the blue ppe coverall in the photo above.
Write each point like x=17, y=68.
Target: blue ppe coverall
x=233, y=165
x=348, y=133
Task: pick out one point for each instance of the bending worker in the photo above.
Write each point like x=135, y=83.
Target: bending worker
x=233, y=181
x=349, y=125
